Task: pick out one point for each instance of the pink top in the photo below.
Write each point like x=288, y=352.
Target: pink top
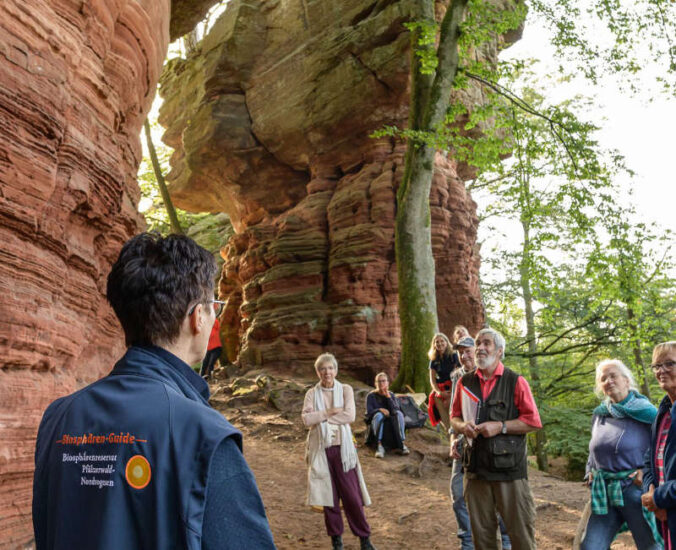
x=662, y=434
x=523, y=397
x=346, y=416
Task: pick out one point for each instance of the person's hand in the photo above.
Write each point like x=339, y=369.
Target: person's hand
x=647, y=500
x=637, y=476
x=454, y=449
x=661, y=514
x=588, y=480
x=334, y=411
x=445, y=395
x=489, y=429
x=469, y=430
x=385, y=412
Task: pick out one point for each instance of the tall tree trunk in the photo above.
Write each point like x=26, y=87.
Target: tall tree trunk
x=171, y=212
x=636, y=349
x=533, y=367
x=413, y=237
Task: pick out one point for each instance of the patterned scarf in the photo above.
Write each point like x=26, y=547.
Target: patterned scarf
x=635, y=406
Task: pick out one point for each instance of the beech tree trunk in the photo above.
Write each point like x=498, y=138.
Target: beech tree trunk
x=636, y=350
x=533, y=367
x=430, y=95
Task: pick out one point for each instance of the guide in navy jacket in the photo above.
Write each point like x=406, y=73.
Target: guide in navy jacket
x=138, y=459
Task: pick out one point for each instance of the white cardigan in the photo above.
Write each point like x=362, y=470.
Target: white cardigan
x=319, y=488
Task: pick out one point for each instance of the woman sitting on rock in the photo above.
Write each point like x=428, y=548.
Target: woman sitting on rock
x=385, y=419
x=333, y=466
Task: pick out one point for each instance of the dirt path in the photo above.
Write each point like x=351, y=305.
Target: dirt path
x=411, y=503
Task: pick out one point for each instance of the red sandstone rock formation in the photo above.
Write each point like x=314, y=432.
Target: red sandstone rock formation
x=270, y=122
x=76, y=80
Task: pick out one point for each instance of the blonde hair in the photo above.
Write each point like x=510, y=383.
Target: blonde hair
x=432, y=353
x=375, y=380
x=664, y=347
x=624, y=371
x=326, y=358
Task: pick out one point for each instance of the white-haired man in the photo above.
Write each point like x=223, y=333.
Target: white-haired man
x=494, y=409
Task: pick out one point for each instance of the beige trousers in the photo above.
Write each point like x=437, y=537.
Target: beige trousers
x=513, y=500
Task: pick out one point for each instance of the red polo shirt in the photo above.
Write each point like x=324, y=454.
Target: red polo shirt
x=523, y=397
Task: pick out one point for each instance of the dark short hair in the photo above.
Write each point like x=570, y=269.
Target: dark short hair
x=154, y=282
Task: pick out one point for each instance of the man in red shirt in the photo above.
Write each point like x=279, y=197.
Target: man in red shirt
x=494, y=408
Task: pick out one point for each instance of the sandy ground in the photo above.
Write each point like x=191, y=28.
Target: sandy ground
x=411, y=503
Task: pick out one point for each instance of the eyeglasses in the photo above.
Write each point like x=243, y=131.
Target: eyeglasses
x=667, y=365
x=218, y=307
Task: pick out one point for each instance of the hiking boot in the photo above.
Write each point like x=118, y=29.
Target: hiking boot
x=365, y=544
x=405, y=450
x=336, y=542
x=380, y=453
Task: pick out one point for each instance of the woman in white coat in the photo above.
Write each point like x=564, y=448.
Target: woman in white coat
x=333, y=466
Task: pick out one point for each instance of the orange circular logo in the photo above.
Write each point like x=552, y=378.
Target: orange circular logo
x=137, y=472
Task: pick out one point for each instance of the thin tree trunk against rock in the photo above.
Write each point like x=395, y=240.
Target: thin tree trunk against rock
x=171, y=212
x=413, y=238
x=533, y=367
x=190, y=41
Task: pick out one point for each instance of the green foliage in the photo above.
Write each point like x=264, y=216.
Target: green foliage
x=154, y=211
x=425, y=51
x=557, y=285
x=568, y=431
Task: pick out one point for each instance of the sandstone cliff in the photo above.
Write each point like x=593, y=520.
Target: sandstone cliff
x=76, y=80
x=270, y=122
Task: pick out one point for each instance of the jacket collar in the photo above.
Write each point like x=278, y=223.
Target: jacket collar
x=158, y=363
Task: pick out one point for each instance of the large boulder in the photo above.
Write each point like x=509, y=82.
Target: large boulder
x=271, y=121
x=76, y=82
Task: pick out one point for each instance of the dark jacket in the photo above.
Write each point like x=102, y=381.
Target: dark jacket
x=124, y=462
x=665, y=494
x=444, y=366
x=503, y=456
x=391, y=434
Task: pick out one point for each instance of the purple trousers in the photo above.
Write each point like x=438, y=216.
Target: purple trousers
x=346, y=487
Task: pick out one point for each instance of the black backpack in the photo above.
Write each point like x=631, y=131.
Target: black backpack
x=414, y=417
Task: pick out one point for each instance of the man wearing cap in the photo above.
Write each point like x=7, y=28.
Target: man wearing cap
x=139, y=459
x=465, y=349
x=494, y=409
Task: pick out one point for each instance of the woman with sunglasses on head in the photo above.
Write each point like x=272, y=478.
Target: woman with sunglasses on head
x=443, y=361
x=659, y=480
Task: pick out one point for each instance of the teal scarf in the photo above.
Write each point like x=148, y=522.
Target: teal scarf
x=635, y=406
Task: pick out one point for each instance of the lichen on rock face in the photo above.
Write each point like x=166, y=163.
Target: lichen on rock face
x=270, y=121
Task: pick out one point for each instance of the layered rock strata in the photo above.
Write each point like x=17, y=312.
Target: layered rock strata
x=271, y=121
x=76, y=80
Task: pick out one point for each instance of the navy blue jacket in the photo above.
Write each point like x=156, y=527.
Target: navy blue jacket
x=123, y=463
x=665, y=494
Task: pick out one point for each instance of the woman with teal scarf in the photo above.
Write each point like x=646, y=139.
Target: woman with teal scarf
x=620, y=436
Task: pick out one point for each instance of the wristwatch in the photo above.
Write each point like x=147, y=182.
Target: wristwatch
x=504, y=428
